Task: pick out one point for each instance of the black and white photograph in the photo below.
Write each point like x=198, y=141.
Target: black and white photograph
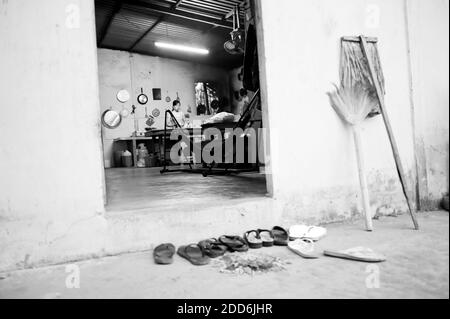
x=239, y=152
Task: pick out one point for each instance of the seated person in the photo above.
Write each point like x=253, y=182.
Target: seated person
x=178, y=114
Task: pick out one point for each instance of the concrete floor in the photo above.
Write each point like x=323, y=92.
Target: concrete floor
x=417, y=267
x=146, y=188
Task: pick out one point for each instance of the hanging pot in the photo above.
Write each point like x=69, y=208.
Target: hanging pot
x=142, y=98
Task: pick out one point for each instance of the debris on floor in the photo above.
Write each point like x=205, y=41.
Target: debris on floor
x=249, y=263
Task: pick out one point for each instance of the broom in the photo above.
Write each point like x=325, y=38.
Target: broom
x=353, y=104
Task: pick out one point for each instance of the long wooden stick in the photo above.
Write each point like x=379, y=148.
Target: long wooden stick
x=400, y=170
x=362, y=177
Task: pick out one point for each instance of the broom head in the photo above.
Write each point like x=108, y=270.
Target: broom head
x=352, y=103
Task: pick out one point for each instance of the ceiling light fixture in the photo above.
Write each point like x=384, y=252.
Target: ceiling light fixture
x=181, y=48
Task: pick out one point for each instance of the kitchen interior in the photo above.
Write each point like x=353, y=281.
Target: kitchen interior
x=196, y=59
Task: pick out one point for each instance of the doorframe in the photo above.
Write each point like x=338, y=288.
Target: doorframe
x=264, y=107
x=256, y=4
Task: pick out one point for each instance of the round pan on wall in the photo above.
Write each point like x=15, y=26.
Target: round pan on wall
x=123, y=96
x=156, y=113
x=142, y=98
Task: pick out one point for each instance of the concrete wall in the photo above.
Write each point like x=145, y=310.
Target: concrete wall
x=312, y=152
x=428, y=33
x=51, y=169
x=117, y=70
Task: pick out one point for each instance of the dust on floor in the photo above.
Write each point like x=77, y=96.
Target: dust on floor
x=417, y=266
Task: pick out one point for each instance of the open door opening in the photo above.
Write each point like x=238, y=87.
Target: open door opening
x=181, y=104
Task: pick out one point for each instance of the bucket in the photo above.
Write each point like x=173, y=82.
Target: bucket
x=127, y=159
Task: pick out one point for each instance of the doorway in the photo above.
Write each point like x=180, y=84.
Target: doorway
x=164, y=55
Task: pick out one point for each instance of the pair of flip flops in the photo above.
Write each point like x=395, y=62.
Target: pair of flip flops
x=213, y=248
x=234, y=243
x=200, y=254
x=259, y=238
x=305, y=248
x=267, y=238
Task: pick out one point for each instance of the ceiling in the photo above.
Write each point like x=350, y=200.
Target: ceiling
x=135, y=25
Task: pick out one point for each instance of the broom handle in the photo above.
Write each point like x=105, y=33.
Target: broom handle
x=362, y=176
x=400, y=170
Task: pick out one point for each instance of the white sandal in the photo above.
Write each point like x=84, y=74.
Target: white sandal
x=311, y=232
x=303, y=247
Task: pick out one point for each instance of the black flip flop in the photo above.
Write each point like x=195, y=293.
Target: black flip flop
x=266, y=237
x=213, y=248
x=234, y=243
x=194, y=253
x=163, y=254
x=253, y=240
x=280, y=236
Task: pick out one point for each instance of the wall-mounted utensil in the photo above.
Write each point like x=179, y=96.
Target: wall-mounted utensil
x=123, y=96
x=111, y=119
x=146, y=112
x=178, y=98
x=124, y=112
x=133, y=109
x=150, y=121
x=168, y=99
x=156, y=113
x=142, y=98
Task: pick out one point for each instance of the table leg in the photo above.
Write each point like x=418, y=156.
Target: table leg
x=134, y=153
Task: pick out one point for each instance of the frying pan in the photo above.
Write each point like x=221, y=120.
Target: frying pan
x=142, y=98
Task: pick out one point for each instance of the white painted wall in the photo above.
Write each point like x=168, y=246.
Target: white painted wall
x=149, y=72
x=51, y=168
x=429, y=34
x=312, y=152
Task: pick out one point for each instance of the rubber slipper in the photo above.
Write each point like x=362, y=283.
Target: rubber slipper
x=358, y=254
x=163, y=254
x=303, y=231
x=297, y=231
x=280, y=236
x=234, y=243
x=316, y=233
x=303, y=247
x=253, y=240
x=194, y=253
x=213, y=248
x=266, y=237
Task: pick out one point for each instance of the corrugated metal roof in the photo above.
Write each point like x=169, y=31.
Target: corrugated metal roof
x=136, y=24
x=126, y=27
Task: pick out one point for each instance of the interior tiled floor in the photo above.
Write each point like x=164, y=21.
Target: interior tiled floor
x=146, y=188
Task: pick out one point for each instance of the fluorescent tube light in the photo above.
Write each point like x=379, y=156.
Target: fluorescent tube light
x=181, y=48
